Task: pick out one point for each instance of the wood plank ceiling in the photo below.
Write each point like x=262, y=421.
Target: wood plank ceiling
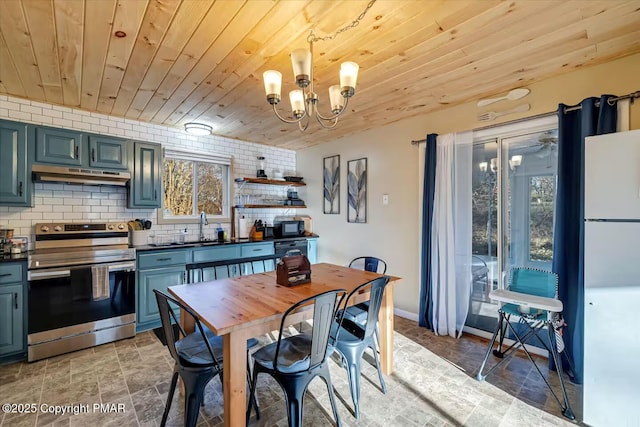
x=175, y=61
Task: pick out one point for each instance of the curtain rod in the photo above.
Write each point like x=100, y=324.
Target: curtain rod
x=495, y=125
x=611, y=100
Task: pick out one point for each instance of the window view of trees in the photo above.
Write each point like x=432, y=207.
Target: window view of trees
x=484, y=206
x=210, y=190
x=542, y=191
x=181, y=176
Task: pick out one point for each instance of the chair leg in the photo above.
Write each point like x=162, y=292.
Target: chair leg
x=326, y=377
x=252, y=396
x=167, y=406
x=194, y=384
x=566, y=411
x=294, y=396
x=481, y=377
x=377, y=359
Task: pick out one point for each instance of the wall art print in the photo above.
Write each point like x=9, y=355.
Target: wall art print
x=331, y=176
x=357, y=190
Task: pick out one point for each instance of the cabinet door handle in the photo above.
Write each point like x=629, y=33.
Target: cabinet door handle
x=20, y=185
x=184, y=277
x=6, y=274
x=77, y=151
x=93, y=154
x=15, y=299
x=155, y=194
x=164, y=259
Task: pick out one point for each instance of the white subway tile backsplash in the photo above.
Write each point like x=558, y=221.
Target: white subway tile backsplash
x=71, y=202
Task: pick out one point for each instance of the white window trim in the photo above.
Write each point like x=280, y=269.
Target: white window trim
x=198, y=156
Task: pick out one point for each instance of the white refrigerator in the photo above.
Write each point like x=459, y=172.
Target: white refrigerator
x=611, y=392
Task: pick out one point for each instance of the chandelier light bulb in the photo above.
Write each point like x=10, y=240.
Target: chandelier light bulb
x=483, y=166
x=296, y=97
x=272, y=85
x=301, y=62
x=348, y=78
x=336, y=99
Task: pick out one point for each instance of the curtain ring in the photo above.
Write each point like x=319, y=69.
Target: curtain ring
x=611, y=101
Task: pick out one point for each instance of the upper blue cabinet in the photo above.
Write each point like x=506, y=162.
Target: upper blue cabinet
x=15, y=165
x=145, y=186
x=59, y=146
x=73, y=148
x=107, y=152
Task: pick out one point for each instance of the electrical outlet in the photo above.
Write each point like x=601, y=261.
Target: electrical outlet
x=385, y=199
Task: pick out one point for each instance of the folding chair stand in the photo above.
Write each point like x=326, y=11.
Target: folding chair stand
x=535, y=326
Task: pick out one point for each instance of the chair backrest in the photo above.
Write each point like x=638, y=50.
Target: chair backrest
x=169, y=319
x=533, y=281
x=375, y=288
x=198, y=272
x=369, y=263
x=325, y=307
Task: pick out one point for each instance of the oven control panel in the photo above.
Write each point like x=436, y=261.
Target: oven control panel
x=93, y=227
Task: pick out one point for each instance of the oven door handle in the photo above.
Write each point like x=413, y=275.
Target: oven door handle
x=49, y=274
x=125, y=266
x=66, y=272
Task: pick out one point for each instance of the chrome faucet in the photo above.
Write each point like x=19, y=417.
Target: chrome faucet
x=203, y=222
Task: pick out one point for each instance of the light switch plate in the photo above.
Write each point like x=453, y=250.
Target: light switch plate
x=385, y=199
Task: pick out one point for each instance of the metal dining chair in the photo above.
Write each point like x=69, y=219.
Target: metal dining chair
x=294, y=361
x=358, y=313
x=197, y=356
x=352, y=339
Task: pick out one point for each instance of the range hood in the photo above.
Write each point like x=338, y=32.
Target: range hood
x=79, y=175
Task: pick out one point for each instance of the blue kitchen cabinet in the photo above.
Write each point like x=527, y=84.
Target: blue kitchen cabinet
x=145, y=186
x=157, y=270
x=12, y=310
x=15, y=164
x=251, y=250
x=109, y=153
x=312, y=250
x=59, y=146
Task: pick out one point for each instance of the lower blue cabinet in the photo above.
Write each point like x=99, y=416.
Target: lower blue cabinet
x=12, y=330
x=148, y=280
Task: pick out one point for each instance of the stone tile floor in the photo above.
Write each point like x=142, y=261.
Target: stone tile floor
x=433, y=385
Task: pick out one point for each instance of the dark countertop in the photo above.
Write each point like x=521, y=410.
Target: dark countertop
x=14, y=257
x=215, y=243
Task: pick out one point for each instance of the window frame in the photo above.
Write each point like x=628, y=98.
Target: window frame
x=199, y=157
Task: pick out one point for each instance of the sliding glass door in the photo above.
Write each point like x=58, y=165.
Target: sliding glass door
x=513, y=191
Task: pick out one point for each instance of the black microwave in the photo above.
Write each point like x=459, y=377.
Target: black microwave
x=288, y=229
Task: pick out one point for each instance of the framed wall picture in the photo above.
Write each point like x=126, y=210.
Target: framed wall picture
x=331, y=176
x=357, y=190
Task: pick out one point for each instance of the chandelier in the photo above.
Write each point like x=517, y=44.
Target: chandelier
x=305, y=101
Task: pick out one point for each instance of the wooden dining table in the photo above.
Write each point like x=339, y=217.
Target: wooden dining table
x=243, y=307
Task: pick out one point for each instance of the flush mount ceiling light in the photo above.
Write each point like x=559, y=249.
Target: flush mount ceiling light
x=197, y=128
x=304, y=101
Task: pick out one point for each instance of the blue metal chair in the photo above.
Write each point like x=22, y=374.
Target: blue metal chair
x=358, y=313
x=352, y=339
x=296, y=360
x=197, y=356
x=532, y=297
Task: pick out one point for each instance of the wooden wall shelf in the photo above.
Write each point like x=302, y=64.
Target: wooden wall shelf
x=270, y=182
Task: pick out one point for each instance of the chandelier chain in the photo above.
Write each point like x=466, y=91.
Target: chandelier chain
x=313, y=38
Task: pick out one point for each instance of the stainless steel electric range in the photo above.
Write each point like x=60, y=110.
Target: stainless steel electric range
x=81, y=287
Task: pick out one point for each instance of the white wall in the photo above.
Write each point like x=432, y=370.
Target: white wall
x=391, y=231
x=89, y=203
x=395, y=167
